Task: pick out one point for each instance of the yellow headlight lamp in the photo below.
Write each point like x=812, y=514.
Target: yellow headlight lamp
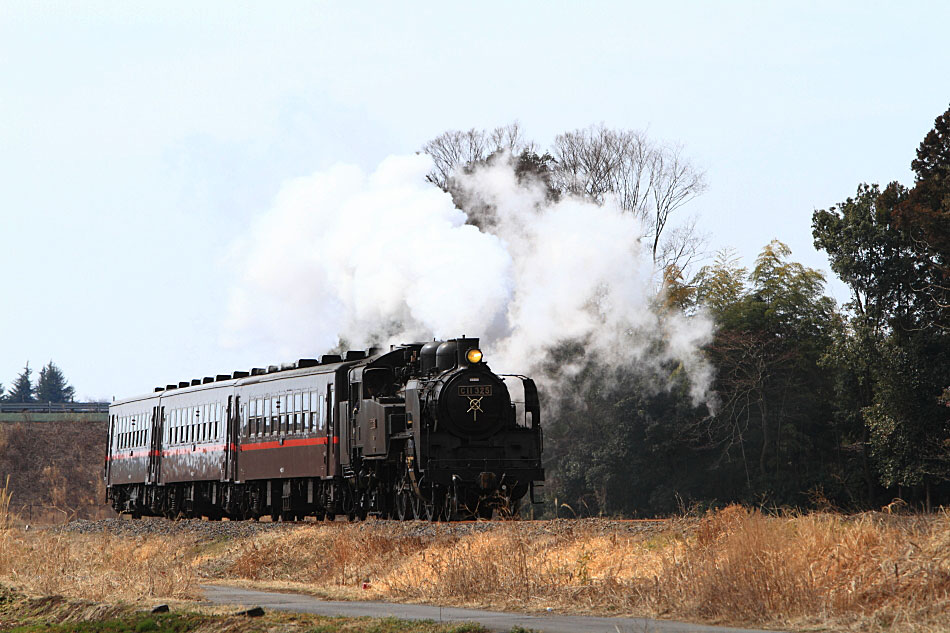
x=474, y=355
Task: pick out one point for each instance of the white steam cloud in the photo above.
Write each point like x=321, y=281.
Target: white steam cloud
x=388, y=258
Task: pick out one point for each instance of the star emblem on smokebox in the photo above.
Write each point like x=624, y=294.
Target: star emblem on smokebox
x=475, y=406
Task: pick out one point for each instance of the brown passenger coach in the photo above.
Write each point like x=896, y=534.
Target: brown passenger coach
x=425, y=430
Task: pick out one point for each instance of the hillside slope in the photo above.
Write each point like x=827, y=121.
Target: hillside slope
x=55, y=468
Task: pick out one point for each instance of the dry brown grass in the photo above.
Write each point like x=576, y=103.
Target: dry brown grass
x=97, y=567
x=55, y=469
x=734, y=566
x=7, y=518
x=867, y=573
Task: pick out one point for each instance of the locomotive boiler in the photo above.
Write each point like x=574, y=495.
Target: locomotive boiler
x=425, y=430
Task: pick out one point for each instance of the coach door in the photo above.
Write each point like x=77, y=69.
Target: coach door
x=155, y=446
x=231, y=436
x=332, y=446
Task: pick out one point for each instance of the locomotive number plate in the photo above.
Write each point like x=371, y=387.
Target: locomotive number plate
x=474, y=390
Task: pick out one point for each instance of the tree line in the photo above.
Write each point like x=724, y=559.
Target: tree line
x=50, y=386
x=818, y=405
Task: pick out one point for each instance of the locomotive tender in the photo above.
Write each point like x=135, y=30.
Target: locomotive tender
x=425, y=430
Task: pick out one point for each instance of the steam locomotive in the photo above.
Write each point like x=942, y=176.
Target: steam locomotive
x=425, y=430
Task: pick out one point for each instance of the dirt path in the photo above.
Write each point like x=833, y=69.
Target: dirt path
x=492, y=620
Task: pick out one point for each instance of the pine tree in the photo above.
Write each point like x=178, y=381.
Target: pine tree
x=22, y=390
x=52, y=386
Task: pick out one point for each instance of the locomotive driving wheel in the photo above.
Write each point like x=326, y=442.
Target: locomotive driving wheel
x=422, y=508
x=404, y=509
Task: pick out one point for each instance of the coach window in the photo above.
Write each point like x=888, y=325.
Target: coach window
x=286, y=411
x=291, y=413
x=260, y=416
x=298, y=404
x=267, y=413
x=314, y=410
x=252, y=414
x=306, y=411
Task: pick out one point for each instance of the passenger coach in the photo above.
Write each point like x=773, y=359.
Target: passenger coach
x=268, y=441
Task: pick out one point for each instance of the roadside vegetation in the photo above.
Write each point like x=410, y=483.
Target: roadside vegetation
x=21, y=614
x=868, y=572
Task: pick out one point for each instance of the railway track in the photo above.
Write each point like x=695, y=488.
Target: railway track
x=209, y=530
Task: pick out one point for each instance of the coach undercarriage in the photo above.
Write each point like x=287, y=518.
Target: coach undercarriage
x=298, y=499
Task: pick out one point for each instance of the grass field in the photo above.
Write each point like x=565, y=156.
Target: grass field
x=22, y=614
x=870, y=572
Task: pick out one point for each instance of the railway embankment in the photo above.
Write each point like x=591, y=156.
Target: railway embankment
x=54, y=464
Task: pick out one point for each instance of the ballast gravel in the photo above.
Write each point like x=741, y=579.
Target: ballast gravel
x=203, y=530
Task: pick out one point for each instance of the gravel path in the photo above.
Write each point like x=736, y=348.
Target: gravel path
x=492, y=620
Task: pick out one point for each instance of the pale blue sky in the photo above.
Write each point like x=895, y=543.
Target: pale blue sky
x=138, y=140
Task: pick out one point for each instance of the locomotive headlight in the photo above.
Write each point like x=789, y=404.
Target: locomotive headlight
x=473, y=355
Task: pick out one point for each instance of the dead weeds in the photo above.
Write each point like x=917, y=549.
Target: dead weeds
x=735, y=566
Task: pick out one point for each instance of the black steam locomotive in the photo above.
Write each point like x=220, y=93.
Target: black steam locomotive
x=425, y=430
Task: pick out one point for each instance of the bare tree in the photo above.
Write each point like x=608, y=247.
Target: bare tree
x=681, y=247
x=456, y=148
x=649, y=180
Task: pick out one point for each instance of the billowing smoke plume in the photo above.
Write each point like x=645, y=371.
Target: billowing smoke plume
x=387, y=258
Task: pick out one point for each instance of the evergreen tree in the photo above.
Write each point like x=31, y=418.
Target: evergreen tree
x=52, y=386
x=22, y=390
